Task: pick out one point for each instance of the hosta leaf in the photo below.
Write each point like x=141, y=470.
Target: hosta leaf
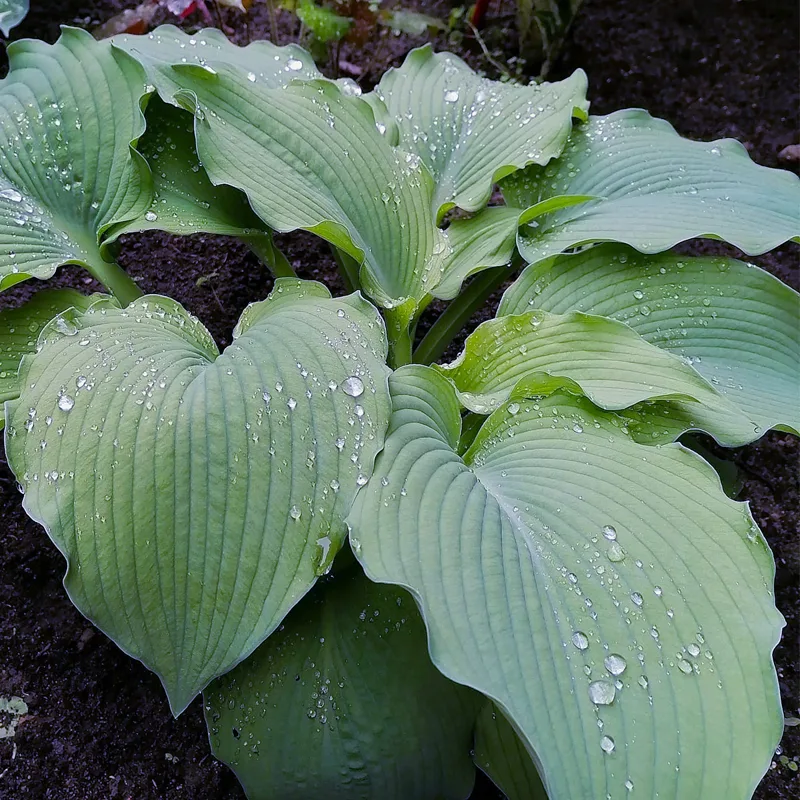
x=612, y=365
x=167, y=45
x=20, y=328
x=607, y=595
x=485, y=240
x=68, y=115
x=344, y=702
x=184, y=199
x=654, y=189
x=12, y=12
x=196, y=496
x=471, y=131
x=737, y=325
x=310, y=156
x=502, y=756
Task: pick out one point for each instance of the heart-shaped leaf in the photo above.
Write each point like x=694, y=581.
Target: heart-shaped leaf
x=197, y=496
x=309, y=155
x=20, y=328
x=471, y=131
x=69, y=113
x=344, y=702
x=737, y=325
x=654, y=189
x=606, y=595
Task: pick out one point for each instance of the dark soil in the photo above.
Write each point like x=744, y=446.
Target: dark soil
x=98, y=724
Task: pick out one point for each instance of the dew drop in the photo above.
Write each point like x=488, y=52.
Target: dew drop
x=615, y=664
x=637, y=598
x=450, y=96
x=65, y=402
x=610, y=533
x=11, y=194
x=294, y=64
x=580, y=640
x=513, y=409
x=151, y=216
x=615, y=553
x=353, y=386
x=684, y=666
x=295, y=513
x=607, y=744
x=602, y=693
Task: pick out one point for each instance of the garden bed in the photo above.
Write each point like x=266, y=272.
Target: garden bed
x=98, y=724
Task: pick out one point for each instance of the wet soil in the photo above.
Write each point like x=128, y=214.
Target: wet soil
x=98, y=724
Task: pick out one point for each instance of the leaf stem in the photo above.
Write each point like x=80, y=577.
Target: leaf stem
x=262, y=245
x=349, y=269
x=400, y=337
x=116, y=280
x=458, y=313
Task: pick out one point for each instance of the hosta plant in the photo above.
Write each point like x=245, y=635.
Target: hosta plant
x=379, y=571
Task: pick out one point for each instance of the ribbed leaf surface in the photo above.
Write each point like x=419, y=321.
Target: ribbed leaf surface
x=309, y=155
x=737, y=325
x=343, y=702
x=19, y=332
x=520, y=355
x=471, y=131
x=69, y=113
x=606, y=595
x=196, y=496
x=654, y=189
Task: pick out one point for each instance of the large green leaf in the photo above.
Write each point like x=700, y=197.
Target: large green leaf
x=197, y=496
x=20, y=328
x=654, y=189
x=309, y=155
x=471, y=131
x=607, y=595
x=502, y=756
x=344, y=702
x=737, y=325
x=184, y=199
x=69, y=113
x=521, y=354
